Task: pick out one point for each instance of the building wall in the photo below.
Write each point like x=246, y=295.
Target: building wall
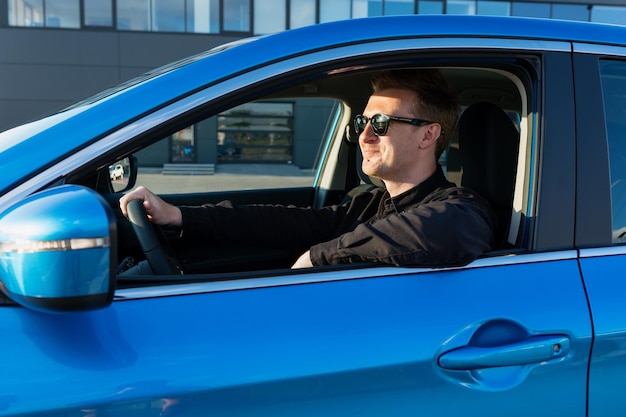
x=45, y=70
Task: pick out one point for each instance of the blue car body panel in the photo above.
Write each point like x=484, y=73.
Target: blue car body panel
x=358, y=345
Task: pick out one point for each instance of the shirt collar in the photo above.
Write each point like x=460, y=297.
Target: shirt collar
x=416, y=194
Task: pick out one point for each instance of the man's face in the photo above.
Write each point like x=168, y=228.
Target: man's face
x=394, y=155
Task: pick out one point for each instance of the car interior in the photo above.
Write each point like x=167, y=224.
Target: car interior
x=491, y=137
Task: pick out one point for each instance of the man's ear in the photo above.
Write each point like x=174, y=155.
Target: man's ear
x=430, y=134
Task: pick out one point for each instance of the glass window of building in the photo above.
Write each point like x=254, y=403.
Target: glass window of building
x=530, y=9
x=256, y=132
x=133, y=15
x=26, y=12
x=331, y=10
x=62, y=14
x=609, y=14
x=461, y=7
x=237, y=15
x=570, y=12
x=430, y=7
x=270, y=16
x=98, y=13
x=301, y=13
x=398, y=7
x=168, y=15
x=366, y=8
x=493, y=8
x=203, y=16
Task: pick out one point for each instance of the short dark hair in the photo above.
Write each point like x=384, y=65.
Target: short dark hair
x=435, y=101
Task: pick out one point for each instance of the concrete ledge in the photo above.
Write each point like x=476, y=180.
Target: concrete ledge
x=188, y=169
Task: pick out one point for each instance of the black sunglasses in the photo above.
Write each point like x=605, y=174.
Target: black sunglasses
x=380, y=122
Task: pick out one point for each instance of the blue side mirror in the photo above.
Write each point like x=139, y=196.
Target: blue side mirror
x=58, y=250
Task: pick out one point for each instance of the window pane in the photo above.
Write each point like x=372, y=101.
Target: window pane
x=614, y=96
x=262, y=144
x=609, y=14
x=331, y=10
x=168, y=15
x=62, y=14
x=461, y=7
x=98, y=13
x=237, y=15
x=570, y=12
x=531, y=10
x=494, y=8
x=133, y=15
x=302, y=13
x=26, y=13
x=203, y=16
x=430, y=7
x=398, y=7
x=366, y=8
x=270, y=16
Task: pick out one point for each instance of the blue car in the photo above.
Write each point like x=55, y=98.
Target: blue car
x=102, y=316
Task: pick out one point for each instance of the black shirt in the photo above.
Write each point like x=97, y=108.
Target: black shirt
x=433, y=224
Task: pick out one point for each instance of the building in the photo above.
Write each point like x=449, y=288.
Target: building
x=56, y=52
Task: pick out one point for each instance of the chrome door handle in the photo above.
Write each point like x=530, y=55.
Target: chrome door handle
x=533, y=350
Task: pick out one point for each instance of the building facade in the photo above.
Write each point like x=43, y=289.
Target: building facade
x=56, y=52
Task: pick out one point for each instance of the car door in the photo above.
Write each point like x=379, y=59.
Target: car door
x=601, y=79
x=508, y=334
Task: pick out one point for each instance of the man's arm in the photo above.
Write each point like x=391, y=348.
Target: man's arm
x=451, y=231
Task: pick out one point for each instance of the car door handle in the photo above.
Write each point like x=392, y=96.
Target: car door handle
x=533, y=350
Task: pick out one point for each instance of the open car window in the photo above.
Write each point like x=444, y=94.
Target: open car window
x=296, y=146
x=258, y=145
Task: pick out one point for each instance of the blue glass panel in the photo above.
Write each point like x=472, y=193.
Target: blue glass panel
x=366, y=8
x=62, y=14
x=133, y=15
x=98, y=13
x=301, y=13
x=203, y=16
x=270, y=16
x=331, y=10
x=530, y=9
x=467, y=7
x=430, y=7
x=237, y=15
x=570, y=12
x=26, y=13
x=168, y=15
x=399, y=7
x=494, y=8
x=609, y=14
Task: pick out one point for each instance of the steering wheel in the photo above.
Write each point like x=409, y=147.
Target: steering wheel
x=155, y=246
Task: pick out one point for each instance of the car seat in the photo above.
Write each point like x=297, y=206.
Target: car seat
x=488, y=147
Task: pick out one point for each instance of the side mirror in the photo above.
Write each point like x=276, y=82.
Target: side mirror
x=58, y=250
x=123, y=174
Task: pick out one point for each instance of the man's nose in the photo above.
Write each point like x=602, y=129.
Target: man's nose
x=368, y=135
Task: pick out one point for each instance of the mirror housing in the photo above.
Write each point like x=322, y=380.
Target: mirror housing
x=58, y=250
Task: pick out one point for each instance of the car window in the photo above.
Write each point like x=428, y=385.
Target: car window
x=613, y=75
x=255, y=145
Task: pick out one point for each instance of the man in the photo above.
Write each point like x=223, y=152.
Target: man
x=418, y=219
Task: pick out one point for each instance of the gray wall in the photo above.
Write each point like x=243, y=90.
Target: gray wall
x=45, y=70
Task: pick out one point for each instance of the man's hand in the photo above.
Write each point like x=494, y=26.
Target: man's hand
x=158, y=210
x=304, y=261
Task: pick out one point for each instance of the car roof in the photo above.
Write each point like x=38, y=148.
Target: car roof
x=29, y=149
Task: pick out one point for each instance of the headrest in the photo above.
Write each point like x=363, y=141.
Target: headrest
x=488, y=144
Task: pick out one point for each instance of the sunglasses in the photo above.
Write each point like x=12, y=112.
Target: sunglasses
x=380, y=122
